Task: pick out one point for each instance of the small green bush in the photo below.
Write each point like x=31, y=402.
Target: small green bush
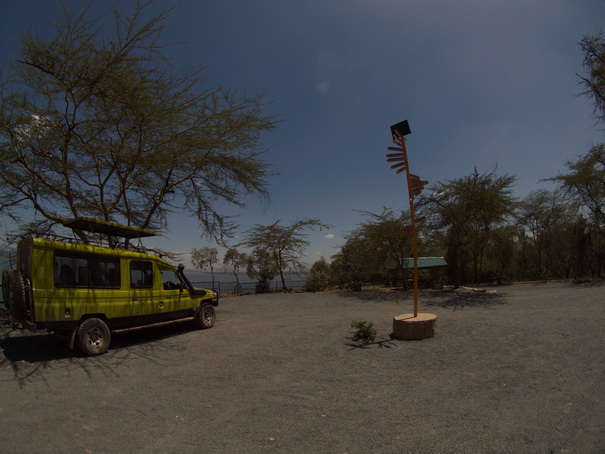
x=363, y=331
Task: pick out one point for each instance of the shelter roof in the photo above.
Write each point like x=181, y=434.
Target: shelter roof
x=425, y=262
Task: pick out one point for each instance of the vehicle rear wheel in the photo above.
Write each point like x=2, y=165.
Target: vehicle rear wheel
x=16, y=295
x=93, y=336
x=205, y=316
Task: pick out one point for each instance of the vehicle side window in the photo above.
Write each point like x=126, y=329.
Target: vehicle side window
x=64, y=271
x=71, y=271
x=141, y=274
x=171, y=280
x=78, y=270
x=105, y=272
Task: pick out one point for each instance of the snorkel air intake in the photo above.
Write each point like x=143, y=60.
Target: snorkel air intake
x=192, y=291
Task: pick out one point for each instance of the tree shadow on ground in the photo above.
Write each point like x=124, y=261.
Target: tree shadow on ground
x=448, y=298
x=383, y=343
x=459, y=299
x=373, y=296
x=587, y=283
x=578, y=283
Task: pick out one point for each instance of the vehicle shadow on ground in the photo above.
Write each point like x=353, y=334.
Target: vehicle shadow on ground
x=30, y=356
x=151, y=335
x=20, y=345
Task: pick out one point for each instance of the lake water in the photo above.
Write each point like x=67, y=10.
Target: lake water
x=226, y=282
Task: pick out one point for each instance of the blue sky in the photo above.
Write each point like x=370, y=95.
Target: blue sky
x=482, y=83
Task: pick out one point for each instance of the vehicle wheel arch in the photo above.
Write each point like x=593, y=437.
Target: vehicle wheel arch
x=100, y=316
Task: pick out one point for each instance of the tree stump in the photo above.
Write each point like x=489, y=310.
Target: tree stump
x=408, y=327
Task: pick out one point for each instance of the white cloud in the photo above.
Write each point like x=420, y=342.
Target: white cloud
x=329, y=236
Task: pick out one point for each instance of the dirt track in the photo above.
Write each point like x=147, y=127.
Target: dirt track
x=520, y=370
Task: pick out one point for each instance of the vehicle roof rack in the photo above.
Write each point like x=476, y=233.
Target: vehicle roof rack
x=108, y=228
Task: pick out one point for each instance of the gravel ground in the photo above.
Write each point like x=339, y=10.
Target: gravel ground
x=519, y=370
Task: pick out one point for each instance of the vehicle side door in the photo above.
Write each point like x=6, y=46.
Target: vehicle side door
x=174, y=291
x=145, y=299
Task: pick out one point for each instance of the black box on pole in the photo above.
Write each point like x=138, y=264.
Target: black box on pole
x=403, y=128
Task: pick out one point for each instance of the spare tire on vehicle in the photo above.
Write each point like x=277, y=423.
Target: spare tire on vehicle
x=16, y=295
x=6, y=277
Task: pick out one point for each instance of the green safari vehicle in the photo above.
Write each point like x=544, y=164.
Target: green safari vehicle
x=84, y=292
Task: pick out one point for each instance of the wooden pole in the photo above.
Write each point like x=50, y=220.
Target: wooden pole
x=410, y=326
x=413, y=218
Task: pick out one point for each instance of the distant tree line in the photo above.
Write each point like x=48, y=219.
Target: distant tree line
x=484, y=233
x=475, y=222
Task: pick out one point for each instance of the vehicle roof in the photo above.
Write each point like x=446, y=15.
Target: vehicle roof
x=42, y=243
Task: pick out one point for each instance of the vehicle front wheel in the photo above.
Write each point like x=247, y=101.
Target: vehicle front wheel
x=93, y=336
x=205, y=316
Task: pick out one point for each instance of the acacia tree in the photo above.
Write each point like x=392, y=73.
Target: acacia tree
x=501, y=253
x=236, y=261
x=467, y=210
x=285, y=244
x=204, y=258
x=593, y=48
x=353, y=264
x=390, y=244
x=546, y=217
x=99, y=124
x=585, y=181
x=585, y=176
x=262, y=267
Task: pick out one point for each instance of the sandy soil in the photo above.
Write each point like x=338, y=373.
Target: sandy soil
x=519, y=370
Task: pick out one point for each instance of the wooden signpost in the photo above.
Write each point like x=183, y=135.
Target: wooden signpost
x=410, y=326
